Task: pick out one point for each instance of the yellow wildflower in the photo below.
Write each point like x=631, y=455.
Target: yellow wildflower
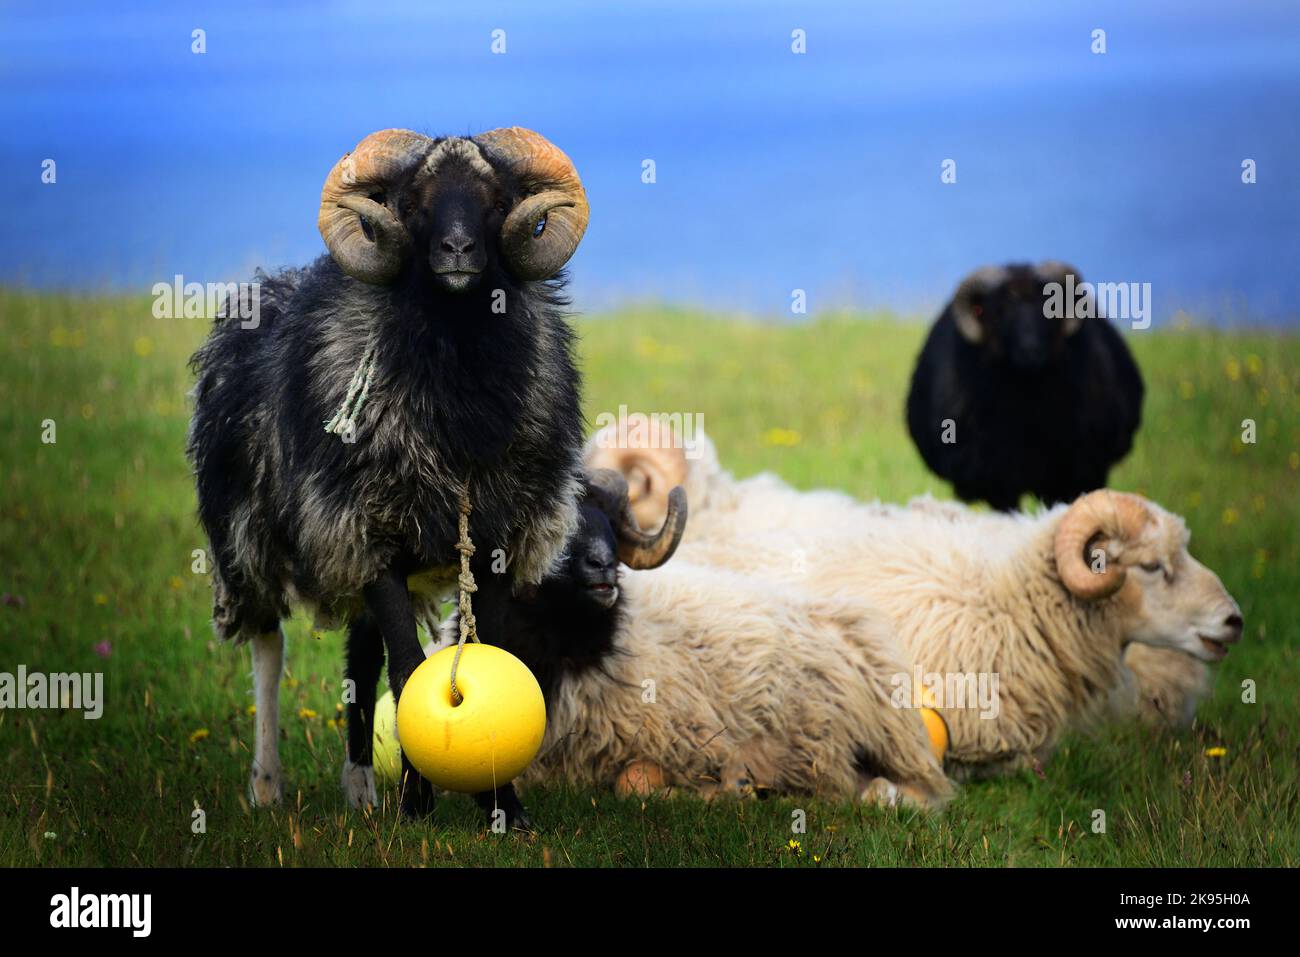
x=786, y=437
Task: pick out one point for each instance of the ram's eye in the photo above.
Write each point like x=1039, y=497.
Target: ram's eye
x=500, y=206
x=1152, y=567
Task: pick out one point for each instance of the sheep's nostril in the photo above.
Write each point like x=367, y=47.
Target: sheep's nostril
x=1235, y=623
x=459, y=241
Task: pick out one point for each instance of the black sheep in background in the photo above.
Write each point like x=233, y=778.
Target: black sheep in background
x=332, y=438
x=1027, y=403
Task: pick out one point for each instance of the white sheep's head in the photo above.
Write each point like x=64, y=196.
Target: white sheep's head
x=448, y=210
x=1120, y=547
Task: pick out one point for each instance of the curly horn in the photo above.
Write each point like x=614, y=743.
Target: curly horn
x=1102, y=513
x=638, y=549
x=345, y=201
x=543, y=230
x=649, y=457
x=979, y=283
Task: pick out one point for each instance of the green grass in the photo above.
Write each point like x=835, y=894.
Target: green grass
x=96, y=533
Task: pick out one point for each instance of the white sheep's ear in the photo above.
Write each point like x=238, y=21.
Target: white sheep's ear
x=1053, y=270
x=966, y=309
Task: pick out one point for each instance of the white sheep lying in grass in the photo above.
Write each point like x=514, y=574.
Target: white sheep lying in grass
x=724, y=683
x=1018, y=596
x=1159, y=684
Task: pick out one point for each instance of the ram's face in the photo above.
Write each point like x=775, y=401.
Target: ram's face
x=1171, y=600
x=1016, y=325
x=606, y=535
x=1003, y=310
x=453, y=209
x=590, y=571
x=446, y=213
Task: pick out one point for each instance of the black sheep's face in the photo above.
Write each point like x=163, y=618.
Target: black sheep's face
x=454, y=215
x=590, y=570
x=1015, y=321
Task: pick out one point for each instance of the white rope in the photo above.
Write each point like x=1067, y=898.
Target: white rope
x=345, y=419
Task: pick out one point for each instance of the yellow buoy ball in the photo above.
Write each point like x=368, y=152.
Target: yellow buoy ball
x=487, y=739
x=388, y=754
x=937, y=729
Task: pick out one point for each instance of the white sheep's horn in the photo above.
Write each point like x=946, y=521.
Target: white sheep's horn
x=1102, y=513
x=649, y=456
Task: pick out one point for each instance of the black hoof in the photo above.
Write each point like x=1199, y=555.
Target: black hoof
x=417, y=794
x=504, y=801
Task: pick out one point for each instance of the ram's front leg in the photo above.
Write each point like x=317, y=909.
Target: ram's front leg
x=389, y=602
x=504, y=809
x=365, y=661
x=264, y=782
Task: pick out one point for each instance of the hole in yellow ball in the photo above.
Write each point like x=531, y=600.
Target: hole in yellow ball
x=451, y=697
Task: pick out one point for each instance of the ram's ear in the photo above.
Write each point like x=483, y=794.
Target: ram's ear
x=968, y=303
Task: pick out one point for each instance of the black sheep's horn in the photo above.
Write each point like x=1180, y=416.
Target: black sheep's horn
x=636, y=548
x=347, y=207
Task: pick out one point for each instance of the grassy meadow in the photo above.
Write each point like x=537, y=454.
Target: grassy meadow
x=97, y=531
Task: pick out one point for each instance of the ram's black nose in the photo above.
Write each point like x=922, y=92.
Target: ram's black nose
x=459, y=240
x=598, y=561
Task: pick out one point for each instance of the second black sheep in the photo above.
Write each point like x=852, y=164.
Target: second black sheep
x=1010, y=396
